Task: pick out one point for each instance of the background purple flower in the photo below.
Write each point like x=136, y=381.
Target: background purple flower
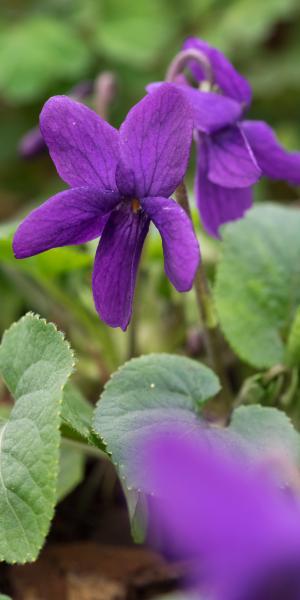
x=32, y=143
x=120, y=181
x=243, y=531
x=232, y=158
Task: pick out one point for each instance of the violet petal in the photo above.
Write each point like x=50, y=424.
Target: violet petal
x=231, y=162
x=211, y=111
x=71, y=217
x=116, y=264
x=227, y=78
x=217, y=204
x=83, y=147
x=180, y=245
x=274, y=161
x=155, y=141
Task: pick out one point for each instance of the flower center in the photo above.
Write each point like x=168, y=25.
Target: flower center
x=135, y=205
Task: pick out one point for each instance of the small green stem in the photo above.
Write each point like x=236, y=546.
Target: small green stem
x=132, y=349
x=288, y=396
x=207, y=312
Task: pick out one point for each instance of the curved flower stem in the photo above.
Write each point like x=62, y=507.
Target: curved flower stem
x=105, y=93
x=207, y=313
x=183, y=58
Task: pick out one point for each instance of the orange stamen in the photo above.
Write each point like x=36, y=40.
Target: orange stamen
x=135, y=205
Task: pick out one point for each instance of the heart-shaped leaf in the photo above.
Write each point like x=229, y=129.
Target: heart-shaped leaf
x=149, y=392
x=257, y=290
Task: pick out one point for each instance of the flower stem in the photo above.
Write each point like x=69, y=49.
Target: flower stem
x=105, y=92
x=132, y=334
x=183, y=58
x=207, y=313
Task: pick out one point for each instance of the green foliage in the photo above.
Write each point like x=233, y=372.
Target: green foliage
x=266, y=432
x=76, y=412
x=125, y=33
x=153, y=393
x=54, y=262
x=293, y=343
x=46, y=47
x=138, y=513
x=146, y=393
x=71, y=471
x=77, y=416
x=37, y=52
x=247, y=22
x=43, y=281
x=257, y=290
x=35, y=363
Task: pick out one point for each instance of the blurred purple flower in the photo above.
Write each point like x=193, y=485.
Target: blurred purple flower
x=242, y=531
x=231, y=159
x=32, y=143
x=120, y=181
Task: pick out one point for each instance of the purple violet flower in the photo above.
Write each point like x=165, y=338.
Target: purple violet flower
x=242, y=531
x=120, y=181
x=232, y=158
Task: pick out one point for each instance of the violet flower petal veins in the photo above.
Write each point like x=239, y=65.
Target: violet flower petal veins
x=274, y=161
x=155, y=141
x=83, y=147
x=211, y=111
x=180, y=245
x=73, y=216
x=231, y=83
x=116, y=264
x=244, y=531
x=231, y=162
x=217, y=205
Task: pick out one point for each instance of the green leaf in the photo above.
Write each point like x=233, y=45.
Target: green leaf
x=266, y=432
x=35, y=362
x=71, y=471
x=37, y=52
x=148, y=392
x=293, y=343
x=77, y=413
x=54, y=262
x=138, y=513
x=257, y=290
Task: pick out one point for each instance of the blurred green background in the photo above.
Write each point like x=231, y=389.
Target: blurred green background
x=48, y=46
